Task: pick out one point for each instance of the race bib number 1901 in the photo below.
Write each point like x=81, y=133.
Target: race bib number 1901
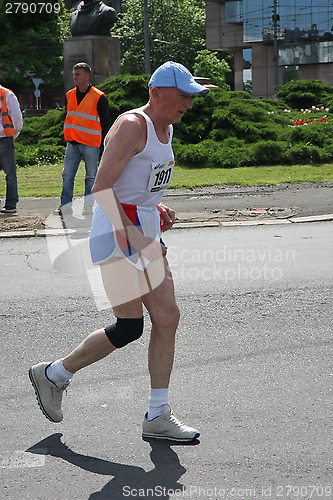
x=160, y=176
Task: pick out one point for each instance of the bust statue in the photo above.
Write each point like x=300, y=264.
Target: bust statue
x=92, y=17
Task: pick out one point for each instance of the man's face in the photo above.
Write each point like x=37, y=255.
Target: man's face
x=80, y=78
x=174, y=103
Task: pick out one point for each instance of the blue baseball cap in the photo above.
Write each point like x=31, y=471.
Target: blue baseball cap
x=172, y=74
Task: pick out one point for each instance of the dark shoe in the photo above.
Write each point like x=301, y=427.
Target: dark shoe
x=5, y=210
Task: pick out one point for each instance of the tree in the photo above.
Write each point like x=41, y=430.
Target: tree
x=208, y=64
x=31, y=43
x=177, y=32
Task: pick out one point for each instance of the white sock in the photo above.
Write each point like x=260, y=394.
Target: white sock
x=157, y=398
x=57, y=373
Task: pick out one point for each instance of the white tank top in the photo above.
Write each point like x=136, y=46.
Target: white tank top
x=147, y=174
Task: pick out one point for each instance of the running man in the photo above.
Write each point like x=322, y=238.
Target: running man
x=125, y=240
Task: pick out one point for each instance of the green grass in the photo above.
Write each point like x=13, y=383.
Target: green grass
x=251, y=176
x=45, y=180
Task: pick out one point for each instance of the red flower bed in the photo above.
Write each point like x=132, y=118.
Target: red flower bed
x=302, y=121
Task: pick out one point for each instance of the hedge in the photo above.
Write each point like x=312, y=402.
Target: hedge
x=223, y=129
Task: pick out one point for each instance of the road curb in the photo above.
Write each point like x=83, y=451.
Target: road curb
x=291, y=220
x=43, y=233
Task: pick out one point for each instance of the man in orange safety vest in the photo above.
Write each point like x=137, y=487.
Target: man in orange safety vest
x=11, y=123
x=87, y=121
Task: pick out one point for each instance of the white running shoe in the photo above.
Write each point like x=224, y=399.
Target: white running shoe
x=167, y=426
x=48, y=394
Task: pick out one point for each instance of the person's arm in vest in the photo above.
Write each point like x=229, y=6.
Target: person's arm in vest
x=14, y=112
x=104, y=112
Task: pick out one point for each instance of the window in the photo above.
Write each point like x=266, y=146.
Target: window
x=233, y=11
x=298, y=19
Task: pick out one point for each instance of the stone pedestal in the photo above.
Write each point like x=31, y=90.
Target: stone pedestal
x=102, y=53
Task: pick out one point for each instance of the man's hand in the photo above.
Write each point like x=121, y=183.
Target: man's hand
x=154, y=250
x=167, y=216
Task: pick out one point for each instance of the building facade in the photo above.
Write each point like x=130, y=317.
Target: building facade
x=273, y=41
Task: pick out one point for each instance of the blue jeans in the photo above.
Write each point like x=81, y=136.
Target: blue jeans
x=73, y=155
x=8, y=164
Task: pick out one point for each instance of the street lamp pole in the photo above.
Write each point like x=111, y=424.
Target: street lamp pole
x=276, y=19
x=146, y=37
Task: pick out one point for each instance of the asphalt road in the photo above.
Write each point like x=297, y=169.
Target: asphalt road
x=253, y=371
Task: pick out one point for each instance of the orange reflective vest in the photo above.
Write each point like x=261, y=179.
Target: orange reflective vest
x=82, y=122
x=6, y=119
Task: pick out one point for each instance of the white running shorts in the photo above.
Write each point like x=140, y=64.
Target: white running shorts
x=106, y=242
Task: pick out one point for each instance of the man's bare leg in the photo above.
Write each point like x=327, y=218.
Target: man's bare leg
x=50, y=379
x=164, y=313
x=120, y=280
x=93, y=348
x=159, y=422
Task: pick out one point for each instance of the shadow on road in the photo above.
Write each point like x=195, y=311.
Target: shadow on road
x=128, y=480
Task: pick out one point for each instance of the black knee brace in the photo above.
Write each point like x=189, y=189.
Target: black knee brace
x=124, y=331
